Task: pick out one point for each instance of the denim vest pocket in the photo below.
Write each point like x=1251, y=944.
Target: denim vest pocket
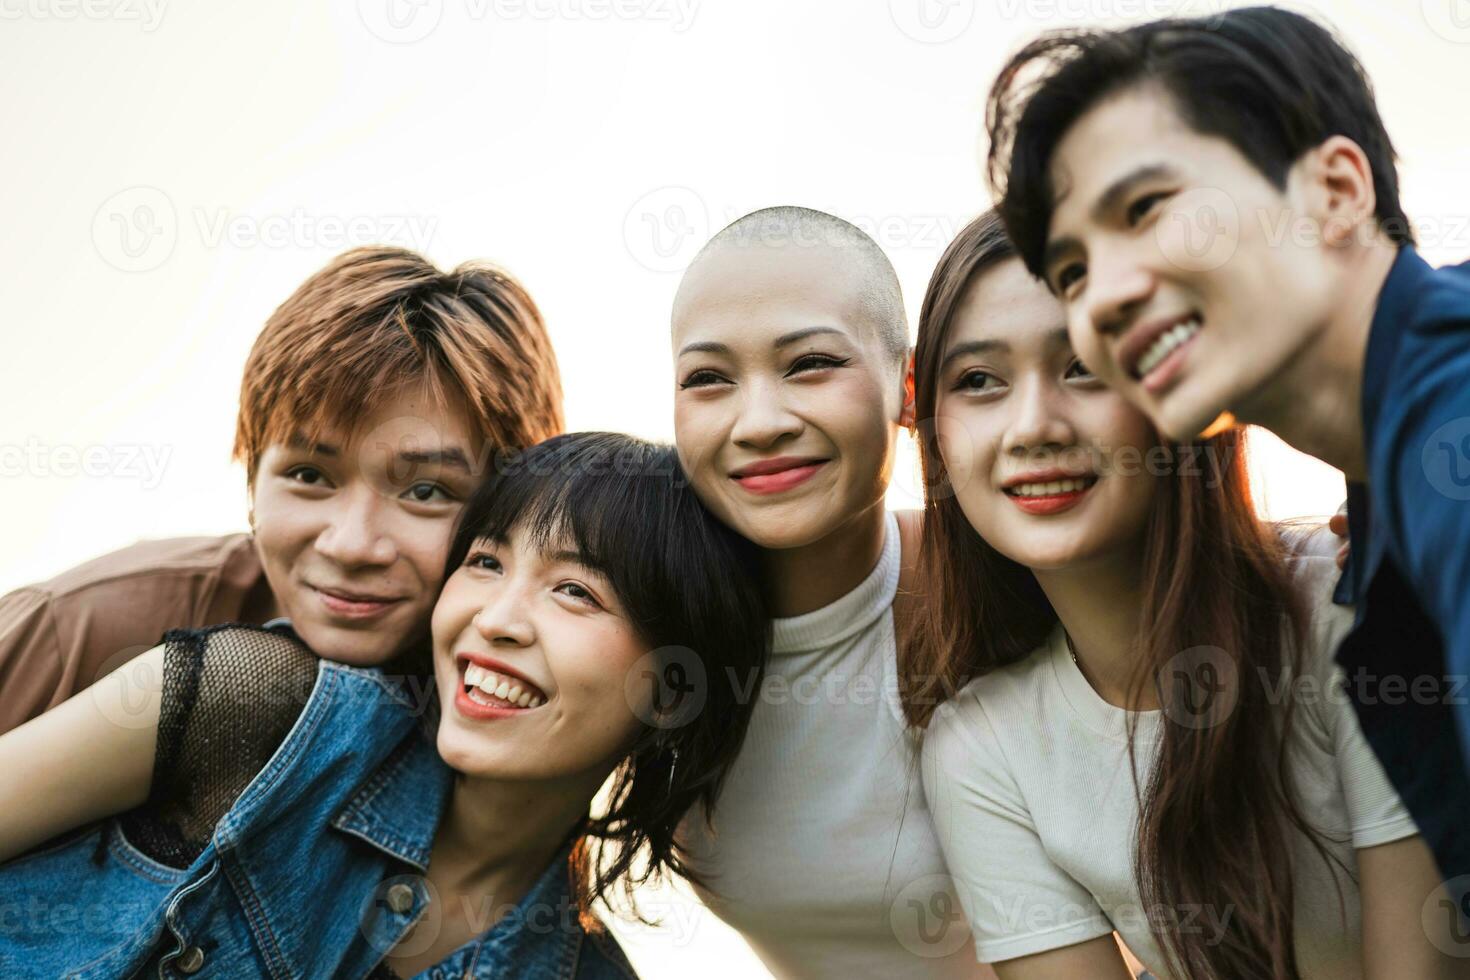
x=284, y=888
x=90, y=907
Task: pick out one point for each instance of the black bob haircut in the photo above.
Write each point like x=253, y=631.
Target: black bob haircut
x=691, y=589
x=1273, y=83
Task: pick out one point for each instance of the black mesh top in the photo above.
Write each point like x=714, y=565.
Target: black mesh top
x=231, y=694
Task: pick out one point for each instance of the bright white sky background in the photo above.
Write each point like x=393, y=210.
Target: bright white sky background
x=172, y=170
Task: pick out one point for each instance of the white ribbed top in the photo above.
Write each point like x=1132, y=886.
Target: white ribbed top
x=856, y=612
x=824, y=855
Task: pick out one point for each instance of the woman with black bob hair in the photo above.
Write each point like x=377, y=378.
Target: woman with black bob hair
x=595, y=622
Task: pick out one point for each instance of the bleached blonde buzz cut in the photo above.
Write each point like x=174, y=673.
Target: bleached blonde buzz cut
x=879, y=299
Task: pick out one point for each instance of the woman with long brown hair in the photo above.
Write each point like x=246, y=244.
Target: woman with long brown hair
x=1126, y=679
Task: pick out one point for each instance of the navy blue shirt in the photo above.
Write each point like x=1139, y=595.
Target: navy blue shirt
x=1407, y=659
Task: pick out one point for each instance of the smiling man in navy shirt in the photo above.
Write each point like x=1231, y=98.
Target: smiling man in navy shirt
x=1216, y=202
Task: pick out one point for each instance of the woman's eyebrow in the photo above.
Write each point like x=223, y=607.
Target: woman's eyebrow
x=785, y=340
x=974, y=347
x=1058, y=337
x=573, y=558
x=795, y=336
x=704, y=347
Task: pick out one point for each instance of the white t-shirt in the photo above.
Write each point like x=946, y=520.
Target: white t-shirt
x=824, y=857
x=1026, y=772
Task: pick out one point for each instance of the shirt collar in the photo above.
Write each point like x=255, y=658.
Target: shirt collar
x=544, y=928
x=397, y=810
x=1393, y=314
x=1396, y=299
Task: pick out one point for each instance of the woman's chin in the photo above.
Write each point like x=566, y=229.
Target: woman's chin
x=776, y=532
x=1048, y=556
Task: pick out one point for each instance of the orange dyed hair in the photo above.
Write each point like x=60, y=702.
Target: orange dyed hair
x=378, y=319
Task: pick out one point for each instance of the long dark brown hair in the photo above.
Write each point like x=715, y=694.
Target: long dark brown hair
x=1218, y=808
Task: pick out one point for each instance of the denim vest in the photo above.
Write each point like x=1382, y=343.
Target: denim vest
x=315, y=871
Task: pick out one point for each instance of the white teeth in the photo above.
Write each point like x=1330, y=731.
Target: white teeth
x=509, y=689
x=498, y=686
x=1049, y=489
x=1165, y=344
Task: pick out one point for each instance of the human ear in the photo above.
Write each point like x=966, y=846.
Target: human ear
x=907, y=412
x=1342, y=177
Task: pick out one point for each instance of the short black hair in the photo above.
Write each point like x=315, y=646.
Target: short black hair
x=690, y=586
x=1273, y=83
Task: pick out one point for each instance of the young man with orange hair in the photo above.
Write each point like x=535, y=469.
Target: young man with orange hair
x=371, y=403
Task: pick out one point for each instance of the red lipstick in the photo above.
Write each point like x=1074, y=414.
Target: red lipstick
x=1048, y=503
x=777, y=475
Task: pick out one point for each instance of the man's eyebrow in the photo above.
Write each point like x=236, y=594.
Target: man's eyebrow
x=453, y=457
x=1106, y=201
x=973, y=347
x=298, y=441
x=1118, y=189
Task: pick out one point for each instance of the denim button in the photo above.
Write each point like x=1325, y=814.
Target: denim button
x=191, y=960
x=400, y=898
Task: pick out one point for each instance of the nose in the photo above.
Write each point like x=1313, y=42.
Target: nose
x=1039, y=422
x=764, y=419
x=355, y=536
x=502, y=620
x=1118, y=285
